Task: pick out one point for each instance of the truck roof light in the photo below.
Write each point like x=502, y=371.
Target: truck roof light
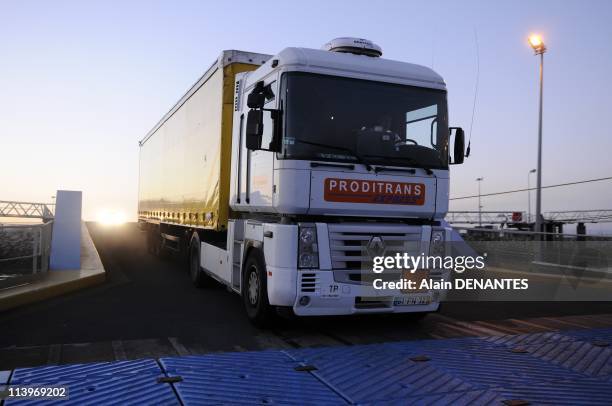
x=358, y=46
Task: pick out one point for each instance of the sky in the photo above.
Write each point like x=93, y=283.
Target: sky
x=82, y=81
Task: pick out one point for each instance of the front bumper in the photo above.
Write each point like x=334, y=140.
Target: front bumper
x=318, y=293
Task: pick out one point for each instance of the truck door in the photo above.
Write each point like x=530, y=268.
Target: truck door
x=260, y=164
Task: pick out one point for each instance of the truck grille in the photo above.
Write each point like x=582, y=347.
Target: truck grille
x=348, y=243
x=309, y=282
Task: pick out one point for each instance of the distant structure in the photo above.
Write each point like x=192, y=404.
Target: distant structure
x=43, y=211
x=553, y=221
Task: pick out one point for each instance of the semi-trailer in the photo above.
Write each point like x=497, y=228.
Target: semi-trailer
x=282, y=176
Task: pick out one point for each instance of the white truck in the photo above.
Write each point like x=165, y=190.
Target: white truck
x=283, y=176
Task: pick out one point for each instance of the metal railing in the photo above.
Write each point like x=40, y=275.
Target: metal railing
x=528, y=250
x=24, y=252
x=507, y=234
x=485, y=217
x=510, y=217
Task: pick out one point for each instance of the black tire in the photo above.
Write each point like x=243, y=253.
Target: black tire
x=149, y=242
x=154, y=242
x=158, y=246
x=184, y=253
x=198, y=277
x=255, y=291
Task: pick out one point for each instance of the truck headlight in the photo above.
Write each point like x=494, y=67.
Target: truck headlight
x=308, y=250
x=438, y=243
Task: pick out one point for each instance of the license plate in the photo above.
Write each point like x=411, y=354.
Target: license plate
x=410, y=300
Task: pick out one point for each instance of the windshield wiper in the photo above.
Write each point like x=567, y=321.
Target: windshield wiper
x=345, y=149
x=378, y=169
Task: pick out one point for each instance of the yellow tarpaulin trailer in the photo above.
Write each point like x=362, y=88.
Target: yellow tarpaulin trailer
x=185, y=159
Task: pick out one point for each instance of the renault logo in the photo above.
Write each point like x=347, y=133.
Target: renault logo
x=376, y=246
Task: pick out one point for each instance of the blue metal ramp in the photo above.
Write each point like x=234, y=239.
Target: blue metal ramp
x=267, y=377
x=103, y=383
x=556, y=368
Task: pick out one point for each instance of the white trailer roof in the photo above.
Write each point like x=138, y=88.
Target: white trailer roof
x=359, y=66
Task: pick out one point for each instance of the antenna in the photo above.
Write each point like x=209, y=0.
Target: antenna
x=433, y=50
x=467, y=152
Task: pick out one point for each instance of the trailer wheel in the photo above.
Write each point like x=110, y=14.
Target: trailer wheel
x=198, y=277
x=255, y=291
x=154, y=242
x=149, y=241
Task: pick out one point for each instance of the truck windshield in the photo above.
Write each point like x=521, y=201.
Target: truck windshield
x=350, y=120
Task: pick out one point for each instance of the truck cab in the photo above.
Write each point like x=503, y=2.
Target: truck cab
x=338, y=156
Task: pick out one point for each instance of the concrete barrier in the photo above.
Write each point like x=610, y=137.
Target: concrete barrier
x=90, y=272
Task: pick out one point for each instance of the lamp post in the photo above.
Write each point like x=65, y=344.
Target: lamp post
x=539, y=49
x=529, y=194
x=479, y=180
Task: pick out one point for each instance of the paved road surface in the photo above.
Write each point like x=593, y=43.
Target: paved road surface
x=148, y=308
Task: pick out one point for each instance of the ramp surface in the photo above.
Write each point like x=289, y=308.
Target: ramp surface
x=560, y=368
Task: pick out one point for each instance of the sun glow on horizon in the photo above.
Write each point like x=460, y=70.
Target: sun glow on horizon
x=111, y=217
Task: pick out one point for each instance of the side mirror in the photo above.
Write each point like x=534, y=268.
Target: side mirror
x=257, y=98
x=254, y=129
x=458, y=146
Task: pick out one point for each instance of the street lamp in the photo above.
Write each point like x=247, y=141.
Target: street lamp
x=529, y=195
x=479, y=180
x=539, y=48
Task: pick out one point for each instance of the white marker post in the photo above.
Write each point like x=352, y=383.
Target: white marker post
x=66, y=239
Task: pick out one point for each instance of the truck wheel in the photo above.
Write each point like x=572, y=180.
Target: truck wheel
x=255, y=290
x=185, y=253
x=154, y=243
x=198, y=277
